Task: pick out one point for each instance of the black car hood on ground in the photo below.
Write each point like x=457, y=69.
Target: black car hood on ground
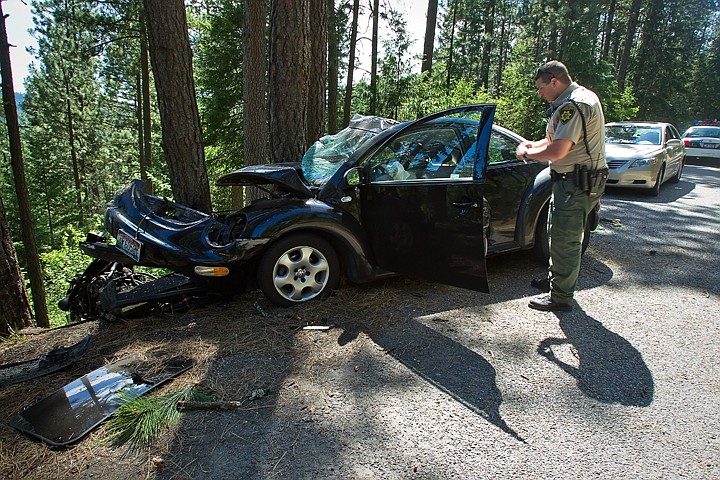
x=285, y=175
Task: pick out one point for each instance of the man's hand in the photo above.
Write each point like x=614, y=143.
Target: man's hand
x=521, y=151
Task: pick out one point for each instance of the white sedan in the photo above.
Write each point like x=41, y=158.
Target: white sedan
x=643, y=155
x=702, y=142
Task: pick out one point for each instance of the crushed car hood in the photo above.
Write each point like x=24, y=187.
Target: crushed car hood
x=286, y=175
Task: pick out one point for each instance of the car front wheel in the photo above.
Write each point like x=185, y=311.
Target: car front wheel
x=676, y=178
x=655, y=191
x=297, y=269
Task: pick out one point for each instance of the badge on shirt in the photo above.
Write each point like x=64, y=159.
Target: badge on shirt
x=566, y=113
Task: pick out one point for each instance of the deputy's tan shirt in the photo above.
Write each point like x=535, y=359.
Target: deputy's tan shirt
x=566, y=122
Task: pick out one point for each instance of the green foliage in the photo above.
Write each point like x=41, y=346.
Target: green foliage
x=81, y=135
x=218, y=62
x=705, y=89
x=59, y=266
x=142, y=419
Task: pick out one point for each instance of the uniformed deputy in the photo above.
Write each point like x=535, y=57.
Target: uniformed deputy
x=575, y=147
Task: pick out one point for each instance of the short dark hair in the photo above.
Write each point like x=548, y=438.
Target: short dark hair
x=553, y=69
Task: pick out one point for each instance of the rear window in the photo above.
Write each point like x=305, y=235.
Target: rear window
x=703, y=132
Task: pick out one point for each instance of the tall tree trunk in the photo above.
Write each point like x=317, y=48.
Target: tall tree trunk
x=487, y=42
x=289, y=67
x=609, y=28
x=374, y=57
x=318, y=71
x=448, y=80
x=139, y=120
x=629, y=41
x=171, y=60
x=146, y=118
x=254, y=92
x=14, y=305
x=27, y=225
x=502, y=53
x=332, y=105
x=351, y=64
x=429, y=45
x=73, y=153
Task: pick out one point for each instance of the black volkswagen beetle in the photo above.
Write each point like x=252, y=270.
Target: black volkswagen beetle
x=429, y=198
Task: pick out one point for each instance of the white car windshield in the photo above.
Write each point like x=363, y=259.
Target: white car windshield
x=325, y=156
x=635, y=134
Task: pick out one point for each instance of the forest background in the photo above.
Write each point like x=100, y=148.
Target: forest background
x=271, y=77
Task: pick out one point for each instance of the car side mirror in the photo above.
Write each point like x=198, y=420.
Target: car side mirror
x=353, y=177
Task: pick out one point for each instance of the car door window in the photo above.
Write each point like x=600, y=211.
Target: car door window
x=501, y=149
x=425, y=153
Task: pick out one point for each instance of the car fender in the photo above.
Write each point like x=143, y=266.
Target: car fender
x=536, y=197
x=274, y=219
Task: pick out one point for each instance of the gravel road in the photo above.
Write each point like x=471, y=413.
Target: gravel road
x=454, y=384
x=421, y=381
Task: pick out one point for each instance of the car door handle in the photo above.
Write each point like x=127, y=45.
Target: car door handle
x=464, y=207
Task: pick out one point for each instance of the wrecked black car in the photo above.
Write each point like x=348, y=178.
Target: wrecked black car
x=429, y=198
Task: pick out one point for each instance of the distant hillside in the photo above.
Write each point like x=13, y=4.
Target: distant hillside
x=19, y=97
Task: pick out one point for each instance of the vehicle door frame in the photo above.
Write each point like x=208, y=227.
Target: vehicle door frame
x=432, y=229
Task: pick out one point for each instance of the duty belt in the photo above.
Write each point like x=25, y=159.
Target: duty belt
x=556, y=176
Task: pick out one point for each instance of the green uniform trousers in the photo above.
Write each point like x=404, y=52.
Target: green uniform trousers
x=569, y=208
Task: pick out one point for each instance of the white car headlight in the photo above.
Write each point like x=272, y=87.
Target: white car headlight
x=643, y=162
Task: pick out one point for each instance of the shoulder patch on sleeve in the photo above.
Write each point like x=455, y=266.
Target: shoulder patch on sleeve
x=566, y=113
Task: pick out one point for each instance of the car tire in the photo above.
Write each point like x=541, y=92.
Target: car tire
x=542, y=237
x=655, y=191
x=298, y=268
x=678, y=174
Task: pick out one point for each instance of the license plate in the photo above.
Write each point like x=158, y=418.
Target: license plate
x=129, y=245
x=711, y=145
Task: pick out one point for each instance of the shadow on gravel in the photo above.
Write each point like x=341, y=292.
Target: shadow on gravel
x=447, y=365
x=669, y=192
x=609, y=368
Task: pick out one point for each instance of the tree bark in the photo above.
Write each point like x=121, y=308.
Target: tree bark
x=448, y=80
x=171, y=60
x=374, y=57
x=146, y=118
x=73, y=152
x=289, y=82
x=429, y=45
x=14, y=305
x=318, y=70
x=351, y=64
x=488, y=35
x=140, y=135
x=609, y=28
x=332, y=96
x=254, y=91
x=32, y=259
x=629, y=42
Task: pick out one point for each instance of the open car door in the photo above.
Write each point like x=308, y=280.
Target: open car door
x=422, y=198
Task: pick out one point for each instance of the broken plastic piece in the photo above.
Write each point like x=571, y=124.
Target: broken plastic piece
x=54, y=360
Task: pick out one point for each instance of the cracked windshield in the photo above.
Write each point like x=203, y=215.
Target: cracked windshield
x=325, y=156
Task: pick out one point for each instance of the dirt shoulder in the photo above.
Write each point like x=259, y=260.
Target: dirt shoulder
x=417, y=380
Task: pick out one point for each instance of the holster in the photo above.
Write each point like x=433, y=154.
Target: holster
x=592, y=182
